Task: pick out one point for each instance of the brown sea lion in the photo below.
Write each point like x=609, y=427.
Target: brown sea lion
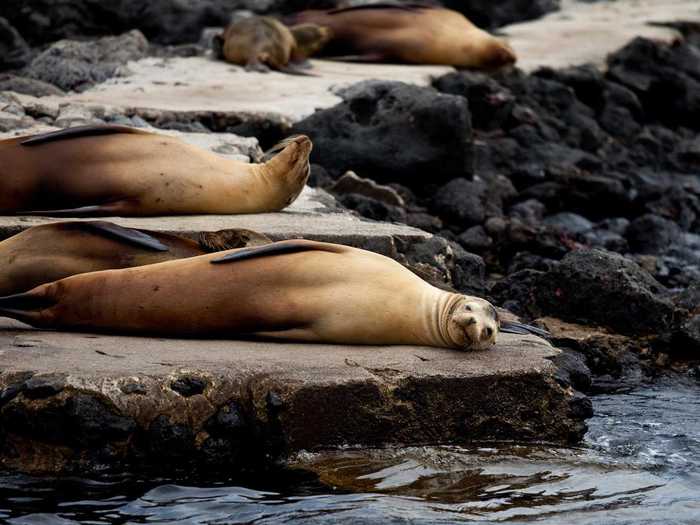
x=408, y=33
x=49, y=252
x=295, y=290
x=117, y=170
x=261, y=43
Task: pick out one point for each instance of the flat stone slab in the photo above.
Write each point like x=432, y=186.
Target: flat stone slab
x=586, y=32
x=314, y=215
x=202, y=85
x=74, y=401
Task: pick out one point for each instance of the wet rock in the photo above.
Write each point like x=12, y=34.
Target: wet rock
x=686, y=341
x=188, y=386
x=485, y=13
x=73, y=65
x=14, y=51
x=168, y=439
x=607, y=289
x=392, y=131
x=351, y=183
x=530, y=212
x=28, y=86
x=572, y=371
x=650, y=234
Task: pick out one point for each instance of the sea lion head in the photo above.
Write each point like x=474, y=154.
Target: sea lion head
x=310, y=39
x=497, y=54
x=472, y=323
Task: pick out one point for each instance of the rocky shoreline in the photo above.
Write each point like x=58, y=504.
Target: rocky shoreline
x=570, y=197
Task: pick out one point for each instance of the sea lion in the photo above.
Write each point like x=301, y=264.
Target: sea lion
x=117, y=170
x=261, y=43
x=49, y=252
x=408, y=33
x=291, y=290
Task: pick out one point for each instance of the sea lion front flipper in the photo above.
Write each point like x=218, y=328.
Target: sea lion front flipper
x=111, y=208
x=294, y=69
x=511, y=327
x=368, y=57
x=79, y=131
x=275, y=248
x=126, y=234
x=26, y=306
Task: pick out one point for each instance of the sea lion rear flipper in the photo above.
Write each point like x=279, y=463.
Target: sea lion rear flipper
x=79, y=131
x=126, y=234
x=276, y=248
x=26, y=306
x=511, y=327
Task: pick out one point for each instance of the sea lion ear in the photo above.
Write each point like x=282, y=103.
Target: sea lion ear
x=511, y=327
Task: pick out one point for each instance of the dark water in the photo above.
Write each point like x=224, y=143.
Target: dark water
x=640, y=465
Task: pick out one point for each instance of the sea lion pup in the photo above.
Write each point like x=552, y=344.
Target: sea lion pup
x=117, y=170
x=49, y=252
x=294, y=290
x=408, y=33
x=261, y=43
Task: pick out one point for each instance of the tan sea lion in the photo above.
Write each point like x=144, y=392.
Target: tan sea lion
x=296, y=290
x=117, y=170
x=261, y=43
x=49, y=252
x=408, y=33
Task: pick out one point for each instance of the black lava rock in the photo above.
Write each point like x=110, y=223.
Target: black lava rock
x=486, y=13
x=72, y=65
x=163, y=21
x=651, y=234
x=390, y=131
x=605, y=288
x=14, y=51
x=188, y=386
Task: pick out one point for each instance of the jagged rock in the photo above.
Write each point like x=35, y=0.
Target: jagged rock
x=665, y=77
x=486, y=13
x=650, y=234
x=606, y=289
x=391, y=131
x=72, y=65
x=28, y=86
x=351, y=183
x=163, y=21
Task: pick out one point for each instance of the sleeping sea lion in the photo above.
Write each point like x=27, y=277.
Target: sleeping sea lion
x=408, y=33
x=294, y=290
x=49, y=252
x=261, y=43
x=117, y=170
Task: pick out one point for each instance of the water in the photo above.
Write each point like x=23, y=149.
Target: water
x=640, y=464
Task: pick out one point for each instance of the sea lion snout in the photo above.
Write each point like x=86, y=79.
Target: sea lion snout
x=473, y=324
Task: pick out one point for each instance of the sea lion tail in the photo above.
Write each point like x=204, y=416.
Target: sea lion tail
x=26, y=306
